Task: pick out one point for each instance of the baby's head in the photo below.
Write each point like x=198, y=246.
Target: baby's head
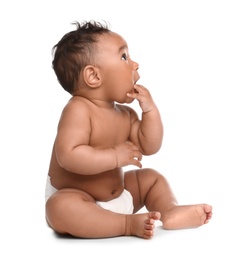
x=75, y=51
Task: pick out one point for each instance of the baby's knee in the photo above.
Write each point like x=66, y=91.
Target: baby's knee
x=59, y=207
x=53, y=209
x=151, y=173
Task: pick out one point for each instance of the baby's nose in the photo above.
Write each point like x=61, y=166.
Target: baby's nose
x=135, y=65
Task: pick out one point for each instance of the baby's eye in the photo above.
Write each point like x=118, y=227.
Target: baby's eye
x=124, y=56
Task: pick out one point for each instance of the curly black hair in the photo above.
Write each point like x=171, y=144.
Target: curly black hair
x=75, y=50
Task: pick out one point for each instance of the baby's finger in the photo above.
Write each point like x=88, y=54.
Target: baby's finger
x=129, y=142
x=136, y=163
x=134, y=147
x=137, y=155
x=139, y=89
x=133, y=95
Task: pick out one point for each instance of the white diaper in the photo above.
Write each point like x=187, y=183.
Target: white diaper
x=123, y=204
x=50, y=190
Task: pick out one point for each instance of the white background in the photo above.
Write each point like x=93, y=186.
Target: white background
x=187, y=60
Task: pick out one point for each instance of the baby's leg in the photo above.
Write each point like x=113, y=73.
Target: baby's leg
x=74, y=212
x=151, y=189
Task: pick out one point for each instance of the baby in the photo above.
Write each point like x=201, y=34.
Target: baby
x=88, y=195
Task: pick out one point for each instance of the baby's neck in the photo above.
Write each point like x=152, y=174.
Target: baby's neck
x=98, y=102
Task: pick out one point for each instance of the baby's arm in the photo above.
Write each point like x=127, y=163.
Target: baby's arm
x=146, y=133
x=74, y=152
x=86, y=160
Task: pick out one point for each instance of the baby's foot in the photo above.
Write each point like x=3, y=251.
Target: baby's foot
x=188, y=216
x=141, y=225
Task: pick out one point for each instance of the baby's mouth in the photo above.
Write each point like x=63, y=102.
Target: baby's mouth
x=135, y=81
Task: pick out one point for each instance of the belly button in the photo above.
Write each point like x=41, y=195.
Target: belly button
x=114, y=191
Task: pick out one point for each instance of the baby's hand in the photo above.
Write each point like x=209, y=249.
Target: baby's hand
x=128, y=154
x=144, y=97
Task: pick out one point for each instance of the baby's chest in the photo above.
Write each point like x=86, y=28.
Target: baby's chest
x=110, y=130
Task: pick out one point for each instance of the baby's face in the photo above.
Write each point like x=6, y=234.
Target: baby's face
x=118, y=70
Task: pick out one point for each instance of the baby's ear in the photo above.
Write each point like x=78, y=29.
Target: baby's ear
x=91, y=75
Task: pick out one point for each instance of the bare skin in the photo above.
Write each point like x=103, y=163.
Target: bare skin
x=97, y=137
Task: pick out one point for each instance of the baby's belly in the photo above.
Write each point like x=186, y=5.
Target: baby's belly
x=102, y=187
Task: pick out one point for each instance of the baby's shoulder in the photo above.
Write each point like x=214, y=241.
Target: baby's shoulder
x=78, y=102
x=77, y=105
